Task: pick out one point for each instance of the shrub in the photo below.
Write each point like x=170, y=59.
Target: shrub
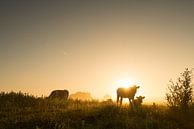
x=180, y=92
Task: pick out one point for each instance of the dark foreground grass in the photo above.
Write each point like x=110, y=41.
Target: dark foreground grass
x=23, y=111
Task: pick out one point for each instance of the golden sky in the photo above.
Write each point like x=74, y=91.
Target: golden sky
x=94, y=46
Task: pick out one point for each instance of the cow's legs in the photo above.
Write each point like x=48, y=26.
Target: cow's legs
x=121, y=101
x=131, y=103
x=117, y=99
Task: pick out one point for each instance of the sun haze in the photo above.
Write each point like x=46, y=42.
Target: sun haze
x=94, y=46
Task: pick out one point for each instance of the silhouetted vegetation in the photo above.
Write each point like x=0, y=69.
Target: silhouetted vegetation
x=180, y=93
x=24, y=111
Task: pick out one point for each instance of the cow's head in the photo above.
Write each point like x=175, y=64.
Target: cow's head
x=140, y=98
x=136, y=87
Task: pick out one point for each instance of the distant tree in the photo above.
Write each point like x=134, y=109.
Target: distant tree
x=81, y=96
x=107, y=97
x=180, y=93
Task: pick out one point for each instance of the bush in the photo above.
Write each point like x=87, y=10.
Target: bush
x=180, y=93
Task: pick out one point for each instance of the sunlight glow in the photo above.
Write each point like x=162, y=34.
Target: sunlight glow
x=127, y=82
x=124, y=83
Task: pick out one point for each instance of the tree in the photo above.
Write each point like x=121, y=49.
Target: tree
x=180, y=93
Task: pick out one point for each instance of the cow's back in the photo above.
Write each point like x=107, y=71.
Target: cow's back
x=59, y=94
x=126, y=93
x=122, y=92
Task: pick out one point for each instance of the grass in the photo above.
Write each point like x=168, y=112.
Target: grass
x=24, y=111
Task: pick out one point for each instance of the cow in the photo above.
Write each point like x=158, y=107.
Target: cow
x=138, y=101
x=126, y=93
x=59, y=94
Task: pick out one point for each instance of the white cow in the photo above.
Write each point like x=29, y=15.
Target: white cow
x=126, y=93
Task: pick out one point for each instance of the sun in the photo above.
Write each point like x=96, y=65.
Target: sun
x=124, y=83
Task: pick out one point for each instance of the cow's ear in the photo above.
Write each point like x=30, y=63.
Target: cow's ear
x=143, y=97
x=138, y=86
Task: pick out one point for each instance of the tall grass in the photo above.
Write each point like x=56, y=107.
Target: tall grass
x=24, y=111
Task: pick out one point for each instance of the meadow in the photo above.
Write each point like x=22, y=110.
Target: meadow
x=23, y=111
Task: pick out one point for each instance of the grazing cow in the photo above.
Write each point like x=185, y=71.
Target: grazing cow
x=59, y=94
x=138, y=101
x=126, y=93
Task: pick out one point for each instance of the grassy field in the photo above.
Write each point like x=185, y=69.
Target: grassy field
x=23, y=111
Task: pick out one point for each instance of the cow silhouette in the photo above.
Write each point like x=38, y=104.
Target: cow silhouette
x=126, y=93
x=138, y=101
x=59, y=94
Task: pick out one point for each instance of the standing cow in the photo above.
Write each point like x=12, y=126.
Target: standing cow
x=59, y=94
x=127, y=93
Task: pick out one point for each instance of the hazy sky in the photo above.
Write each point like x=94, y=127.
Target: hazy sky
x=94, y=46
